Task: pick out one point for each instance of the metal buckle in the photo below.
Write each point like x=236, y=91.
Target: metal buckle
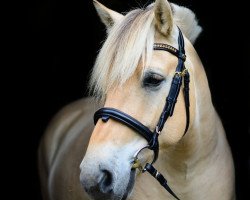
x=137, y=165
x=183, y=56
x=157, y=130
x=182, y=73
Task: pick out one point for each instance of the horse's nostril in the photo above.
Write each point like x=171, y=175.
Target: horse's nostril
x=105, y=182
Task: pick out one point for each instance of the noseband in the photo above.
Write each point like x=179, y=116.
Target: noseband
x=168, y=110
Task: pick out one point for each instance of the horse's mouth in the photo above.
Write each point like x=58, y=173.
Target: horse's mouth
x=130, y=184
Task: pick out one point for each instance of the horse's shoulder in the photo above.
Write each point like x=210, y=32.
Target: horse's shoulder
x=61, y=123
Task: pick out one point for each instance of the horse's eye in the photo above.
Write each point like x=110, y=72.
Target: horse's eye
x=152, y=80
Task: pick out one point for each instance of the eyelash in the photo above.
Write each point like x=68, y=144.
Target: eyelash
x=153, y=80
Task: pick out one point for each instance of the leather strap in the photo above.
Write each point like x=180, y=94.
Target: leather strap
x=106, y=113
x=170, y=101
x=151, y=137
x=186, y=98
x=170, y=49
x=160, y=178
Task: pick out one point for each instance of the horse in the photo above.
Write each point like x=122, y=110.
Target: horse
x=146, y=119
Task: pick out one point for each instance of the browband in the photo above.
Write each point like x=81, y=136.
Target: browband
x=170, y=49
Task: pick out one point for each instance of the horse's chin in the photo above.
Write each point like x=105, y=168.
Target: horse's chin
x=130, y=184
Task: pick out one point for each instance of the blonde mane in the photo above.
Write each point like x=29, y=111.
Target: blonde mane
x=128, y=43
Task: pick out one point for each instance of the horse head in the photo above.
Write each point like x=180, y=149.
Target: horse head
x=132, y=77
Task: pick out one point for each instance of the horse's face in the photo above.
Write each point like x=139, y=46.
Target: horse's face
x=106, y=168
x=143, y=96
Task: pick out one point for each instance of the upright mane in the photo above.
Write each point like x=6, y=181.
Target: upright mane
x=130, y=42
x=187, y=22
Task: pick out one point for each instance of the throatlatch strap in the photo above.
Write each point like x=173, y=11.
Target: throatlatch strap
x=186, y=96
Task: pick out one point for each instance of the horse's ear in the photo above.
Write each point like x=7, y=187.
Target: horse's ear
x=163, y=17
x=108, y=16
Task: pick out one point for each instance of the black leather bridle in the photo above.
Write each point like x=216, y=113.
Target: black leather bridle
x=152, y=136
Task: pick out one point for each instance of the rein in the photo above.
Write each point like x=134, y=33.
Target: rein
x=152, y=136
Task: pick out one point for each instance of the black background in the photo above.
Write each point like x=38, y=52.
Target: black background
x=60, y=43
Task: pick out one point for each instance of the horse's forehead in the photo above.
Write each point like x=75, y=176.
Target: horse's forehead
x=163, y=61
